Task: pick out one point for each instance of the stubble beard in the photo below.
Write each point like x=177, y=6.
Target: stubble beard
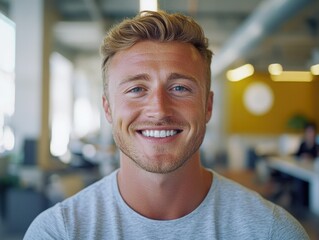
x=165, y=163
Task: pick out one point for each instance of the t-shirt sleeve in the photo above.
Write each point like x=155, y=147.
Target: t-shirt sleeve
x=48, y=225
x=286, y=226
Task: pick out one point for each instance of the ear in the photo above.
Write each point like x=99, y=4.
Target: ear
x=209, y=106
x=107, y=109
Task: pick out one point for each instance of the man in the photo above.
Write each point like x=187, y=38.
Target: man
x=156, y=72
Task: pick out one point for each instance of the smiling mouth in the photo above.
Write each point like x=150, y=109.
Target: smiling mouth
x=159, y=133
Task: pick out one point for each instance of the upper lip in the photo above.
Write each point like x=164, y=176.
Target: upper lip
x=159, y=128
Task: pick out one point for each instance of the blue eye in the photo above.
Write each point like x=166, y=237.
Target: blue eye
x=180, y=88
x=136, y=90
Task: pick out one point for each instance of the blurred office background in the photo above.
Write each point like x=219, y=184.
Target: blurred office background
x=54, y=139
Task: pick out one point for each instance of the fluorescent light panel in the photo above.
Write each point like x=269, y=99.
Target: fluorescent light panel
x=240, y=73
x=315, y=70
x=278, y=75
x=275, y=69
x=148, y=5
x=293, y=76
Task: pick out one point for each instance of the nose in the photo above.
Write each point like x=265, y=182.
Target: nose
x=159, y=105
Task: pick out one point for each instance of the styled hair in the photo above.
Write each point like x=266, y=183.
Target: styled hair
x=311, y=125
x=155, y=26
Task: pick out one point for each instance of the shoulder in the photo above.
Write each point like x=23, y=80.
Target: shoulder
x=241, y=199
x=47, y=225
x=92, y=194
x=285, y=226
x=235, y=191
x=85, y=206
x=251, y=213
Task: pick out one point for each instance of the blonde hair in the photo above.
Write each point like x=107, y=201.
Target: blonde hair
x=158, y=26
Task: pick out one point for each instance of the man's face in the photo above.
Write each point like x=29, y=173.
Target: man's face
x=157, y=104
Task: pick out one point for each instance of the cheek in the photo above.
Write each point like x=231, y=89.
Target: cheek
x=125, y=111
x=193, y=112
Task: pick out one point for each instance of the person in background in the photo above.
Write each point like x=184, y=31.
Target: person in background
x=307, y=151
x=309, y=148
x=156, y=73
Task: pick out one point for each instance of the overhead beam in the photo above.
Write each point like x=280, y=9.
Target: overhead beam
x=94, y=10
x=267, y=17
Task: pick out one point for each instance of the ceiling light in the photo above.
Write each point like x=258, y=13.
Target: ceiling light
x=240, y=73
x=315, y=69
x=293, y=76
x=275, y=69
x=150, y=5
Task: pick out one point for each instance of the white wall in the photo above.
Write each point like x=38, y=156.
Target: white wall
x=28, y=17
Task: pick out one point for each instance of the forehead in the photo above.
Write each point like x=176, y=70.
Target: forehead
x=183, y=55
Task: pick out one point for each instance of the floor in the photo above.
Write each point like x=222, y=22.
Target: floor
x=4, y=235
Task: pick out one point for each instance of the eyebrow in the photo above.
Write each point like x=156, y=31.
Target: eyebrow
x=175, y=76
x=146, y=77
x=133, y=78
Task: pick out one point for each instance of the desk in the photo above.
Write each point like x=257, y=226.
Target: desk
x=302, y=169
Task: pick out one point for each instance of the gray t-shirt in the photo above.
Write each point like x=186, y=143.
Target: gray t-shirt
x=229, y=211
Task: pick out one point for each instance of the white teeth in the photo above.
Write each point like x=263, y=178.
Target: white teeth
x=159, y=133
x=163, y=133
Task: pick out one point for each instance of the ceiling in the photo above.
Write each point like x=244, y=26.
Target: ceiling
x=291, y=36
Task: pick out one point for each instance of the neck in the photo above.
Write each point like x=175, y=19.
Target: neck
x=164, y=196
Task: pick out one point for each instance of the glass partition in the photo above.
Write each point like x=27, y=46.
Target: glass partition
x=7, y=82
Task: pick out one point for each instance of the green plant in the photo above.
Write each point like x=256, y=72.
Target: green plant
x=297, y=122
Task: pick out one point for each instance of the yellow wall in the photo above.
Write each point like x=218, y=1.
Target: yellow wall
x=316, y=97
x=290, y=98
